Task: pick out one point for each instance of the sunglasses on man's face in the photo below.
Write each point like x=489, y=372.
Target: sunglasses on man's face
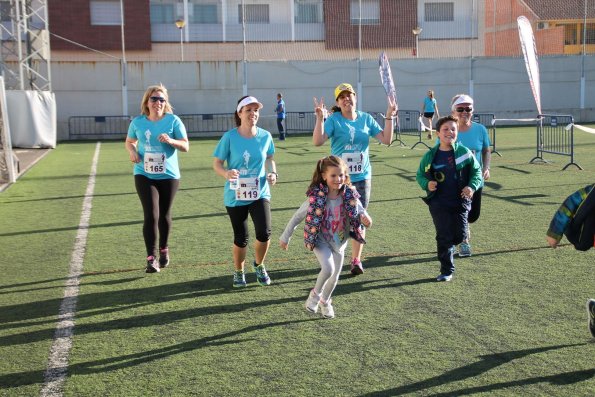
x=157, y=98
x=467, y=109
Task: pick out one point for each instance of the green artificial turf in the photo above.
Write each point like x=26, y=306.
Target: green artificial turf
x=512, y=321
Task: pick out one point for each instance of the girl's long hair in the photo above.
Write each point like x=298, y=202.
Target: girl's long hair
x=323, y=164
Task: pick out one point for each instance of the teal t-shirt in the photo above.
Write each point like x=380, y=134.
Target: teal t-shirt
x=350, y=140
x=247, y=155
x=429, y=104
x=158, y=160
x=475, y=139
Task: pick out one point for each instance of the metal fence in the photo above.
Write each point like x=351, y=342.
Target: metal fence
x=487, y=120
x=116, y=127
x=207, y=124
x=98, y=127
x=300, y=121
x=555, y=135
x=409, y=125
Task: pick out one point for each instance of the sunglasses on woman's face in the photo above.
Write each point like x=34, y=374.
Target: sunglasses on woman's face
x=467, y=109
x=157, y=98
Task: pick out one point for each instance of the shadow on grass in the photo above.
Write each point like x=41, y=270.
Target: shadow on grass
x=95, y=304
x=486, y=363
x=565, y=378
x=131, y=360
x=61, y=286
x=129, y=223
x=518, y=199
x=393, y=260
x=368, y=285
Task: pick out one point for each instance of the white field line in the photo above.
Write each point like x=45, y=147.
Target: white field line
x=57, y=367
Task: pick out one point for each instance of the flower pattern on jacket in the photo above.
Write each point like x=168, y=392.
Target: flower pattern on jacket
x=317, y=197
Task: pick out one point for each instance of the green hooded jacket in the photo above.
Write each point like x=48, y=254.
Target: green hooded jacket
x=467, y=168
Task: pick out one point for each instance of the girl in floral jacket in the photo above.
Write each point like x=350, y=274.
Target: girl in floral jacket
x=333, y=213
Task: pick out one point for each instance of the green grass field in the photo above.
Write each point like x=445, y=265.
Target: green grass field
x=512, y=321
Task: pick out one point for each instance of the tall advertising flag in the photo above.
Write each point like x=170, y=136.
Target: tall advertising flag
x=530, y=52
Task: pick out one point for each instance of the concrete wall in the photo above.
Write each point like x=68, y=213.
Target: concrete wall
x=499, y=86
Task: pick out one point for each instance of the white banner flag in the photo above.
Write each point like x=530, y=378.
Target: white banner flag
x=530, y=52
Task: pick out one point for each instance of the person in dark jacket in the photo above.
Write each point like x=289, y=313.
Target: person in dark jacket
x=575, y=219
x=450, y=174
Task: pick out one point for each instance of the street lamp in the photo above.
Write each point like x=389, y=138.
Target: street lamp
x=180, y=23
x=416, y=33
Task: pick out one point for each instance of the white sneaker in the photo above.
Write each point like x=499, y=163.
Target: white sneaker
x=326, y=309
x=312, y=301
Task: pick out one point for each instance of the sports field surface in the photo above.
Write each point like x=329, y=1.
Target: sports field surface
x=512, y=322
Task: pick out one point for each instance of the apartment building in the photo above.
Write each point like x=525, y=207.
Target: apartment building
x=288, y=29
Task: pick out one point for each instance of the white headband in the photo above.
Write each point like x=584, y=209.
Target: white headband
x=462, y=99
x=247, y=101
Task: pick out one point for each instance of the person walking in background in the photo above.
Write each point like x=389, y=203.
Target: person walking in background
x=475, y=137
x=331, y=210
x=153, y=141
x=248, y=151
x=428, y=109
x=280, y=110
x=450, y=175
x=349, y=131
x=576, y=220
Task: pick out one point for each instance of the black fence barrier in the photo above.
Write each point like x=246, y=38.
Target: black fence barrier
x=98, y=127
x=487, y=120
x=300, y=122
x=406, y=125
x=208, y=124
x=555, y=135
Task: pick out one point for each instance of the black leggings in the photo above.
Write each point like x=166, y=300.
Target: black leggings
x=475, y=206
x=156, y=197
x=260, y=212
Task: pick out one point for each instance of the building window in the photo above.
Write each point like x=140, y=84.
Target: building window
x=439, y=12
x=570, y=34
x=204, y=13
x=162, y=13
x=308, y=11
x=590, y=37
x=255, y=13
x=105, y=13
x=5, y=11
x=370, y=12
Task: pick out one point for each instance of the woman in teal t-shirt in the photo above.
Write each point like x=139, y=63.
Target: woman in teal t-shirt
x=242, y=157
x=428, y=109
x=475, y=137
x=153, y=141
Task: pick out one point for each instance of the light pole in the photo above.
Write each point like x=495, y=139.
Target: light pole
x=124, y=66
x=416, y=33
x=180, y=23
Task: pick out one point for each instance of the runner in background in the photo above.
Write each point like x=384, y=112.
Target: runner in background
x=428, y=110
x=280, y=110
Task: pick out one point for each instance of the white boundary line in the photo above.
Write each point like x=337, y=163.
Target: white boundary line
x=57, y=367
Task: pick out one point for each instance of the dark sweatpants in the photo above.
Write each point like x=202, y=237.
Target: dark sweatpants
x=450, y=224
